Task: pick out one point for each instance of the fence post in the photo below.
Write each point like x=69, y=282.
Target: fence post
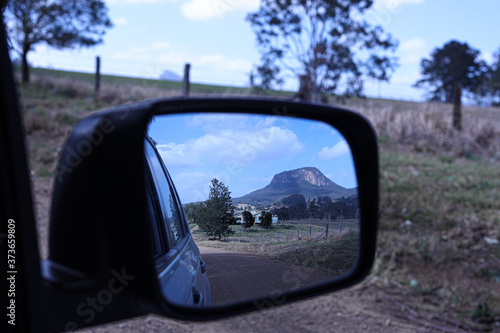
x=269, y=237
x=185, y=83
x=326, y=231
x=310, y=231
x=97, y=73
x=278, y=237
x=340, y=233
x=297, y=234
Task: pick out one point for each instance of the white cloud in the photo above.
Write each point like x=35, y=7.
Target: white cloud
x=219, y=61
x=214, y=123
x=193, y=186
x=329, y=153
x=234, y=147
x=159, y=55
x=138, y=1
x=160, y=45
x=321, y=126
x=394, y=4
x=413, y=44
x=120, y=21
x=413, y=50
x=202, y=10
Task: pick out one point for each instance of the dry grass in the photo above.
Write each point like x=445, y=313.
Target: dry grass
x=335, y=255
x=108, y=93
x=439, y=219
x=422, y=127
x=426, y=127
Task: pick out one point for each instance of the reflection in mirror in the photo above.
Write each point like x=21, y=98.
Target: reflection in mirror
x=271, y=202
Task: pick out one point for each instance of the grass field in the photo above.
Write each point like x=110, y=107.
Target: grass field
x=439, y=199
x=149, y=83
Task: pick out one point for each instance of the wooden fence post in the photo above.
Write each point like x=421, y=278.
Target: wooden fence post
x=97, y=73
x=326, y=231
x=297, y=234
x=185, y=83
x=340, y=233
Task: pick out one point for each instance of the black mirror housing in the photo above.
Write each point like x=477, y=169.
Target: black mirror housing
x=94, y=241
x=99, y=239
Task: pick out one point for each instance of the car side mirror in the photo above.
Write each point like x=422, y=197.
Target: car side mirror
x=120, y=234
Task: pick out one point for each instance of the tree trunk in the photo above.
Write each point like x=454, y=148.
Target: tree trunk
x=305, y=88
x=25, y=67
x=457, y=105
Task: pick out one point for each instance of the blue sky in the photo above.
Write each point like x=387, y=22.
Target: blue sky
x=246, y=151
x=151, y=36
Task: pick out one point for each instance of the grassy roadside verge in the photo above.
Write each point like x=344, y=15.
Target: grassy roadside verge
x=439, y=232
x=335, y=256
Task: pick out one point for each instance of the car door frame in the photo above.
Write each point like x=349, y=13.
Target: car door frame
x=174, y=252
x=16, y=204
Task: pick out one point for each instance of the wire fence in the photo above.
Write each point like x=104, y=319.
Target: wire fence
x=312, y=233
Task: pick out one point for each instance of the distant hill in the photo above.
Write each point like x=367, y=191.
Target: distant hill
x=170, y=76
x=308, y=181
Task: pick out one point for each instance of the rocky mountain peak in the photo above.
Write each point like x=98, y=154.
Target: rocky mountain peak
x=308, y=174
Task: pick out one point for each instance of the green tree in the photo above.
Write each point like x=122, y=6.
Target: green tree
x=57, y=23
x=248, y=219
x=193, y=211
x=297, y=206
x=317, y=40
x=217, y=213
x=450, y=70
x=314, y=210
x=266, y=219
x=282, y=213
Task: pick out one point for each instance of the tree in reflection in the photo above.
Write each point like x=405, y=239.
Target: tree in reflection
x=216, y=216
x=295, y=207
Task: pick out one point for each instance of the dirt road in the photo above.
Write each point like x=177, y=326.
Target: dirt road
x=236, y=276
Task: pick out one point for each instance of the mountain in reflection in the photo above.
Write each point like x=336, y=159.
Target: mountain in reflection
x=308, y=181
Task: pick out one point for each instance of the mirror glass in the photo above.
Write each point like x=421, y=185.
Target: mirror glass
x=270, y=202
